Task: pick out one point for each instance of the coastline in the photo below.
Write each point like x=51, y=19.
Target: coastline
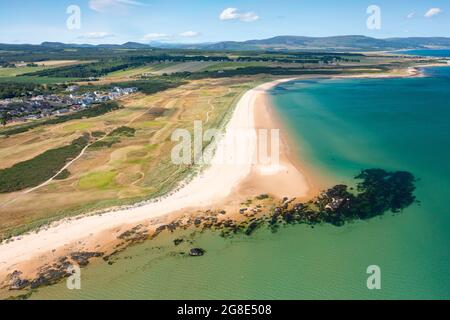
x=293, y=178
x=316, y=180
x=226, y=186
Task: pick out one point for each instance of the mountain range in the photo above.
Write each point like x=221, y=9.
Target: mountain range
x=340, y=43
x=285, y=43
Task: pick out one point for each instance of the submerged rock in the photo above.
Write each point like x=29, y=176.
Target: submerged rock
x=197, y=252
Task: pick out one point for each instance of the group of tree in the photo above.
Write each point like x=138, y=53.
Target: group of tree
x=10, y=90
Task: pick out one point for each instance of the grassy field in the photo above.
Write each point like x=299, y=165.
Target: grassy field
x=194, y=66
x=136, y=166
x=60, y=63
x=134, y=72
x=38, y=80
x=157, y=69
x=97, y=180
x=233, y=65
x=14, y=72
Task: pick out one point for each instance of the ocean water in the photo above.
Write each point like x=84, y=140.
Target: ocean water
x=342, y=126
x=428, y=53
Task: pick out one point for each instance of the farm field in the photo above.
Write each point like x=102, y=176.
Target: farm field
x=194, y=66
x=134, y=72
x=40, y=66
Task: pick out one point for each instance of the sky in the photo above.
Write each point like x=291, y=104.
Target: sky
x=194, y=21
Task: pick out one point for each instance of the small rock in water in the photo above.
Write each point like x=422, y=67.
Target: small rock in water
x=197, y=252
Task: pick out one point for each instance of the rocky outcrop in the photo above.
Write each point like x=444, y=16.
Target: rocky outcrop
x=52, y=274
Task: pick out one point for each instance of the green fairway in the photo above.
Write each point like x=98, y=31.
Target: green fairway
x=97, y=180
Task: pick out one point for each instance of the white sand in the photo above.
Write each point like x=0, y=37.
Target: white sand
x=213, y=185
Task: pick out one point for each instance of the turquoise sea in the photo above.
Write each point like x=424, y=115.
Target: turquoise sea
x=342, y=126
x=428, y=53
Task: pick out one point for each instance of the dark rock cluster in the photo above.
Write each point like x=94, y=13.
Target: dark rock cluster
x=52, y=274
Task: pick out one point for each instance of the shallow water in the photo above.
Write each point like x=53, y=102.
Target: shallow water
x=343, y=126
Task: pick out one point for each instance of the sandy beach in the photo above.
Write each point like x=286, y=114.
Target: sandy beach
x=222, y=182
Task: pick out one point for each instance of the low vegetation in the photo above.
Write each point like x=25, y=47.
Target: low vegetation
x=63, y=175
x=114, y=137
x=124, y=132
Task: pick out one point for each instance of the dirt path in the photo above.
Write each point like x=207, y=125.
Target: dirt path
x=213, y=107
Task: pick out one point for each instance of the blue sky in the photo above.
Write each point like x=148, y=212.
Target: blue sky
x=119, y=21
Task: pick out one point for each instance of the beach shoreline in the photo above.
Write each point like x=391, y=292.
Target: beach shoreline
x=227, y=187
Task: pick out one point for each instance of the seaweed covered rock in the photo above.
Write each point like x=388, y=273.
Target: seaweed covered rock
x=382, y=191
x=379, y=191
x=82, y=258
x=336, y=205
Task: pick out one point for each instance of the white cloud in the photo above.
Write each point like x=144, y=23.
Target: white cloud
x=235, y=14
x=229, y=14
x=102, y=5
x=97, y=35
x=432, y=12
x=190, y=34
x=411, y=15
x=155, y=36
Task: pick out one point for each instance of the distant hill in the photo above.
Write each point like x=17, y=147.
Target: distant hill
x=128, y=45
x=60, y=45
x=336, y=43
x=135, y=45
